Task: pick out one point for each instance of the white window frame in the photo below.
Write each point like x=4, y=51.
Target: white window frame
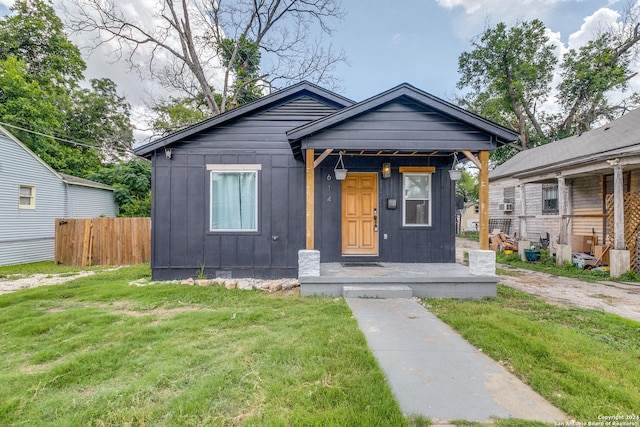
x=405, y=198
x=32, y=197
x=230, y=168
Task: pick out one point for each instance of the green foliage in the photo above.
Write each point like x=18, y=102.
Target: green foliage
x=40, y=71
x=467, y=187
x=35, y=35
x=243, y=58
x=508, y=71
x=99, y=114
x=508, y=75
x=178, y=113
x=132, y=181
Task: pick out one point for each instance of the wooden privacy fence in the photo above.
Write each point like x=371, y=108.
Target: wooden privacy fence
x=102, y=241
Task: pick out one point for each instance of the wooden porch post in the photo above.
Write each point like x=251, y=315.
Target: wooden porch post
x=562, y=209
x=484, y=199
x=310, y=192
x=618, y=208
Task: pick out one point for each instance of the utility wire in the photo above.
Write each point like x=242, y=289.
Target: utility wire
x=57, y=138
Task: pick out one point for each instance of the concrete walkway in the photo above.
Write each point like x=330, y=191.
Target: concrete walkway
x=434, y=372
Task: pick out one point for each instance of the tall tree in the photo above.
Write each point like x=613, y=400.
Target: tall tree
x=509, y=73
x=196, y=45
x=40, y=85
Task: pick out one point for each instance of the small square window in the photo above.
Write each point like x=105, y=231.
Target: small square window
x=27, y=195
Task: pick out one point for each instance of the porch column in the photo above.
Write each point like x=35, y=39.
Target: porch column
x=484, y=199
x=562, y=210
x=310, y=203
x=618, y=208
x=522, y=218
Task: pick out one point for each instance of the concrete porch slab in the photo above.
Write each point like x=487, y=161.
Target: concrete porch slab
x=447, y=280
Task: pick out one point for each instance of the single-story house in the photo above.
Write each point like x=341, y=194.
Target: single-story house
x=33, y=195
x=469, y=217
x=241, y=193
x=565, y=188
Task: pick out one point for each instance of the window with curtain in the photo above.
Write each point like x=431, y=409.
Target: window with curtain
x=416, y=194
x=234, y=200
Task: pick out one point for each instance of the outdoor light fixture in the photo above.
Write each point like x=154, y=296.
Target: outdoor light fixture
x=167, y=153
x=386, y=170
x=454, y=174
x=341, y=172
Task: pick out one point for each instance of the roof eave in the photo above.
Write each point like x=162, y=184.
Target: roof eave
x=147, y=149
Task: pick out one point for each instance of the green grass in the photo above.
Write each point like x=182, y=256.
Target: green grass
x=547, y=265
x=97, y=351
x=585, y=362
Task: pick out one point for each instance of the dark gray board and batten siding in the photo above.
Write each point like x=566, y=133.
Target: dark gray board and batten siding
x=181, y=239
x=274, y=132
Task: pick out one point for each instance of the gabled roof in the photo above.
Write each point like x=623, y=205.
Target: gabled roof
x=265, y=102
x=67, y=179
x=615, y=139
x=502, y=134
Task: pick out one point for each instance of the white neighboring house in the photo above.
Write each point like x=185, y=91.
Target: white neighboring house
x=33, y=195
x=561, y=188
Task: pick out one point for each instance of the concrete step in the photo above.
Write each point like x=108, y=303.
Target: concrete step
x=379, y=291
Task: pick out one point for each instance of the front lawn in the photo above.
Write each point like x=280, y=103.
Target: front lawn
x=98, y=351
x=586, y=362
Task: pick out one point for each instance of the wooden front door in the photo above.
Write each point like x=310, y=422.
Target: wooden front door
x=360, y=214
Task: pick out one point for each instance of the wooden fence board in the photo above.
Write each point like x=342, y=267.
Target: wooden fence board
x=102, y=241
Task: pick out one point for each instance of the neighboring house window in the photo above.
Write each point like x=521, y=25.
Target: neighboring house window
x=509, y=195
x=416, y=191
x=27, y=197
x=234, y=197
x=550, y=199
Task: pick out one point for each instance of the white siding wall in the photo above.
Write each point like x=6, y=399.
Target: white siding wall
x=87, y=202
x=536, y=223
x=27, y=235
x=587, y=200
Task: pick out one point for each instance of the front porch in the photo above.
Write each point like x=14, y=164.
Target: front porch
x=398, y=280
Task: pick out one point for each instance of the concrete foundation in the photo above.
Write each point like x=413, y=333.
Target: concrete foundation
x=619, y=262
x=308, y=263
x=523, y=245
x=395, y=280
x=563, y=255
x=482, y=263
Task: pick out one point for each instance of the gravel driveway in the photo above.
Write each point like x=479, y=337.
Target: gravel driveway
x=618, y=298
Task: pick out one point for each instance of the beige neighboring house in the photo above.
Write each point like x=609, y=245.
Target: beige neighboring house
x=469, y=217
x=566, y=189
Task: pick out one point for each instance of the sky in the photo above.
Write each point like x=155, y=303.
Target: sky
x=413, y=41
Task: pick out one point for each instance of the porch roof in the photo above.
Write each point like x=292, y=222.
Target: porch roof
x=445, y=127
x=617, y=139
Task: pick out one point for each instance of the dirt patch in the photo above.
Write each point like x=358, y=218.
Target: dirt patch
x=126, y=308
x=10, y=283
x=613, y=297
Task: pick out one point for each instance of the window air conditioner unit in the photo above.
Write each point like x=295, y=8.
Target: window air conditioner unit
x=505, y=207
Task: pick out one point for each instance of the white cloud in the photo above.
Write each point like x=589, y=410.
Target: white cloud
x=601, y=19
x=396, y=39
